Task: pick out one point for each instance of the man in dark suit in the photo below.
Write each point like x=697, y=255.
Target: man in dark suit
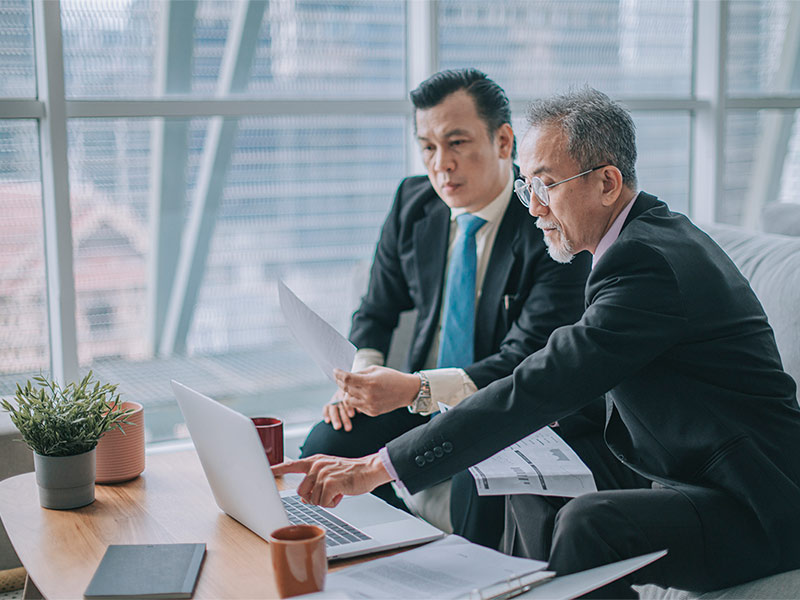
x=467, y=145
x=697, y=399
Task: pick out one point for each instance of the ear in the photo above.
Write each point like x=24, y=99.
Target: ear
x=612, y=184
x=504, y=137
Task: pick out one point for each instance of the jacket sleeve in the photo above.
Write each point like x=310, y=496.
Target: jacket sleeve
x=634, y=315
x=388, y=293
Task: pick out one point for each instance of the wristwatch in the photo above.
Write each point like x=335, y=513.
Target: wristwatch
x=422, y=403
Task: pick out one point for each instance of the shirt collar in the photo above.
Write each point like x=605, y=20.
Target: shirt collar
x=613, y=232
x=493, y=211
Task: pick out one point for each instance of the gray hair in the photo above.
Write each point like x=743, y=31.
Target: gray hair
x=599, y=130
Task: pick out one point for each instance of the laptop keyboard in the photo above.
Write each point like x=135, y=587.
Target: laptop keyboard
x=337, y=532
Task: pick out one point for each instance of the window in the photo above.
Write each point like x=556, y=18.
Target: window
x=214, y=147
x=17, y=76
x=24, y=344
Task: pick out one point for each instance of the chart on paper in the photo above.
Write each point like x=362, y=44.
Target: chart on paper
x=541, y=463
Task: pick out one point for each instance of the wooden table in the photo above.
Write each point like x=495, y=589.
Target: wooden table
x=170, y=502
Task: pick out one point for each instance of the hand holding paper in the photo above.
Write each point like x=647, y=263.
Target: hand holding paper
x=378, y=390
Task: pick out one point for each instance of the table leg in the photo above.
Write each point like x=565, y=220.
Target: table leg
x=31, y=592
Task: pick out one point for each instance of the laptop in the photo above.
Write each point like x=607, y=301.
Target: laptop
x=244, y=488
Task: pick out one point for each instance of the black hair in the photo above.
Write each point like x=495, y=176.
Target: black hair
x=490, y=100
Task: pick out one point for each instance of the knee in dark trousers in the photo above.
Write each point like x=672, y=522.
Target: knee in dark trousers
x=583, y=538
x=580, y=526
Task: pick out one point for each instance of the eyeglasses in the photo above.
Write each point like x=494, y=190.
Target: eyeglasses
x=539, y=189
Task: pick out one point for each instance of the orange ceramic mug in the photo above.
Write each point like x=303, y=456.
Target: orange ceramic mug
x=298, y=559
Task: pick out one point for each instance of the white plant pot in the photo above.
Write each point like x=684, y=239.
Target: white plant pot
x=65, y=481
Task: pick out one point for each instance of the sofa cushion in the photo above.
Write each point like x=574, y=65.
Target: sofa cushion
x=783, y=218
x=783, y=586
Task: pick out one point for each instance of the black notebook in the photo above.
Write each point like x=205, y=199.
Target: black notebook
x=147, y=571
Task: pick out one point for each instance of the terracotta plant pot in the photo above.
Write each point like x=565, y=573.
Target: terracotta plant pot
x=65, y=481
x=120, y=456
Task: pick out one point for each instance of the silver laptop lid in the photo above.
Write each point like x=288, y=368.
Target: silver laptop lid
x=231, y=453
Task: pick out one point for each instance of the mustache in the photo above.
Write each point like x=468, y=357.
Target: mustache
x=541, y=224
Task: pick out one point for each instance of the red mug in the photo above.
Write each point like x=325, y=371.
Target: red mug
x=270, y=430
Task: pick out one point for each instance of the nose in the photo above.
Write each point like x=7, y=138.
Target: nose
x=443, y=161
x=536, y=209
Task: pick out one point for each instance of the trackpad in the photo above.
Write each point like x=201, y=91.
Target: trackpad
x=364, y=511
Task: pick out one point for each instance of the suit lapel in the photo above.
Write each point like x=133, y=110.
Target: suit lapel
x=497, y=273
x=431, y=234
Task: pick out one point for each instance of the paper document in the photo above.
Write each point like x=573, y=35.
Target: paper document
x=541, y=463
x=449, y=568
x=329, y=348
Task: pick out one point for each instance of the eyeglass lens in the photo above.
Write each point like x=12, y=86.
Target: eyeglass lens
x=523, y=193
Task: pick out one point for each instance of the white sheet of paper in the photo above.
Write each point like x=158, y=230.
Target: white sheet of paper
x=329, y=348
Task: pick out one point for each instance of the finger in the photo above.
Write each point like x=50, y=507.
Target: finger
x=333, y=411
x=306, y=487
x=325, y=494
x=292, y=466
x=344, y=417
x=326, y=413
x=349, y=409
x=336, y=500
x=348, y=381
x=315, y=490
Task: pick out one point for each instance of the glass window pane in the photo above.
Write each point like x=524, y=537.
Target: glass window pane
x=762, y=164
x=761, y=58
x=349, y=48
x=302, y=199
x=536, y=47
x=17, y=74
x=662, y=167
x=24, y=343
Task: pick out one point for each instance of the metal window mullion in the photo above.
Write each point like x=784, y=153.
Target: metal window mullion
x=55, y=191
x=708, y=125
x=21, y=109
x=219, y=146
x=169, y=153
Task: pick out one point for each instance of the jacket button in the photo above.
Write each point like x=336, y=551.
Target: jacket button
x=429, y=456
x=420, y=461
x=437, y=450
x=447, y=447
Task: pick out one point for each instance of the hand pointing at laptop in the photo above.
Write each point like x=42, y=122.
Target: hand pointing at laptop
x=329, y=478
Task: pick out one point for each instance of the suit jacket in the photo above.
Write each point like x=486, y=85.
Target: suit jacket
x=525, y=293
x=696, y=393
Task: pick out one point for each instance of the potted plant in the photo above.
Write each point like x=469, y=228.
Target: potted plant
x=62, y=426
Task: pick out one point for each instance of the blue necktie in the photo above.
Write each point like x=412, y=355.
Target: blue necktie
x=457, y=346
